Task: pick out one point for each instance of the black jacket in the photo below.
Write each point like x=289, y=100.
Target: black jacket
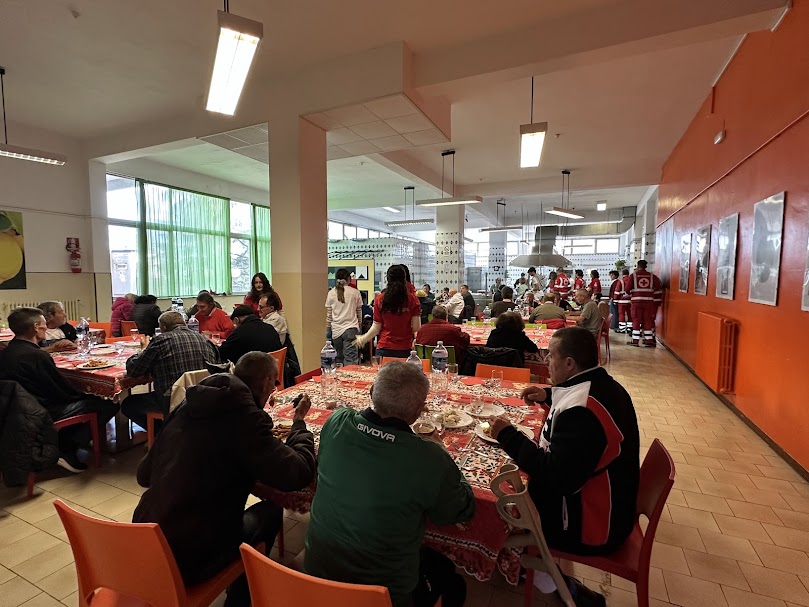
x=145, y=316
x=69, y=331
x=469, y=306
x=500, y=338
x=34, y=369
x=251, y=335
x=27, y=437
x=503, y=357
x=586, y=470
x=210, y=452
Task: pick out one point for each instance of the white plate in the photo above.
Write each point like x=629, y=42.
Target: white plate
x=488, y=410
x=102, y=350
x=464, y=420
x=84, y=367
x=524, y=429
x=130, y=344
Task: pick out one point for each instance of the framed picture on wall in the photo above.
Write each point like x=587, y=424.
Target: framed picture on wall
x=805, y=289
x=12, y=251
x=685, y=261
x=664, y=245
x=765, y=257
x=726, y=266
x=703, y=250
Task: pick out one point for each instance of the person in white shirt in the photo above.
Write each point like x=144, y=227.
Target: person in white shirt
x=343, y=318
x=268, y=308
x=455, y=306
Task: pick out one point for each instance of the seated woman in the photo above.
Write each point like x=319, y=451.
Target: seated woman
x=509, y=332
x=59, y=334
x=260, y=286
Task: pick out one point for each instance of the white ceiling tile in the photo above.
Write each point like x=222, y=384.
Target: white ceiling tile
x=373, y=130
x=410, y=124
x=360, y=147
x=323, y=121
x=333, y=153
x=341, y=136
x=427, y=137
x=250, y=135
x=389, y=144
x=351, y=115
x=224, y=141
x=391, y=107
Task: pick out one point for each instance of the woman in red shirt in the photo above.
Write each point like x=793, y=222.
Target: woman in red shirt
x=595, y=285
x=260, y=287
x=397, y=316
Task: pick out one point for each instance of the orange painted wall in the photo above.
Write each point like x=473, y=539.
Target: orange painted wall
x=763, y=102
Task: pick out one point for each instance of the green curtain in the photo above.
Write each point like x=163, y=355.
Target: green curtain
x=263, y=246
x=187, y=241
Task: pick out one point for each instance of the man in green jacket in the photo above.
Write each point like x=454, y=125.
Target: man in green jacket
x=377, y=484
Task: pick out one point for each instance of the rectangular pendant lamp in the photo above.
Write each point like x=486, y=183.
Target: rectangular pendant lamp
x=447, y=202
x=532, y=140
x=238, y=41
x=409, y=222
x=564, y=213
x=501, y=229
x=391, y=209
x=12, y=151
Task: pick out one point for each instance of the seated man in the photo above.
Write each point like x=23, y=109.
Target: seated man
x=443, y=296
x=59, y=334
x=506, y=304
x=469, y=302
x=588, y=316
x=175, y=351
x=26, y=363
x=585, y=472
x=268, y=308
x=250, y=335
x=455, y=306
x=211, y=318
x=199, y=472
x=368, y=528
x=547, y=310
x=438, y=329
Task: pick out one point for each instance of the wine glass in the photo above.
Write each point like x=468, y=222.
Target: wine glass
x=133, y=335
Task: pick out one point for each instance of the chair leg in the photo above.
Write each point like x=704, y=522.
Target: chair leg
x=528, y=591
x=31, y=480
x=149, y=431
x=607, y=343
x=642, y=587
x=96, y=443
x=281, y=550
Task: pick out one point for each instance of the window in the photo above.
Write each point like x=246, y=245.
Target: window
x=373, y=234
x=335, y=230
x=607, y=245
x=349, y=231
x=172, y=242
x=362, y=232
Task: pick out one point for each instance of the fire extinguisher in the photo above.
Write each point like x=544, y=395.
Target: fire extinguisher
x=73, y=248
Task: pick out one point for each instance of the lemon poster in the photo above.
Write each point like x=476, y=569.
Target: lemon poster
x=12, y=251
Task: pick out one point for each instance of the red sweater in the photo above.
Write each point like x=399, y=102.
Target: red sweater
x=440, y=330
x=217, y=322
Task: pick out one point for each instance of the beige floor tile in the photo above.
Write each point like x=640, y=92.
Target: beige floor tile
x=693, y=518
x=72, y=600
x=738, y=479
x=776, y=584
x=669, y=558
x=45, y=563
x=754, y=512
x=715, y=569
x=120, y=503
x=798, y=503
x=16, y=591
x=773, y=484
x=725, y=490
x=713, y=451
x=94, y=496
x=785, y=474
x=730, y=547
x=43, y=600
x=802, y=488
x=686, y=483
x=750, y=458
x=702, y=460
x=5, y=574
x=26, y=548
x=742, y=598
x=691, y=592
x=750, y=530
x=792, y=519
x=698, y=501
x=783, y=559
x=15, y=531
x=742, y=468
x=764, y=497
x=679, y=535
x=61, y=583
x=789, y=538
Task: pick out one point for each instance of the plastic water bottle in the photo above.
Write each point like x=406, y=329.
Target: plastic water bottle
x=414, y=359
x=440, y=360
x=487, y=313
x=328, y=358
x=193, y=324
x=83, y=328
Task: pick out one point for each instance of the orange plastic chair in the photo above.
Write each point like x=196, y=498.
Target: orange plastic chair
x=632, y=560
x=604, y=333
x=509, y=373
x=280, y=357
x=273, y=584
x=84, y=418
x=105, y=551
x=299, y=379
x=425, y=364
x=105, y=326
x=127, y=326
x=151, y=417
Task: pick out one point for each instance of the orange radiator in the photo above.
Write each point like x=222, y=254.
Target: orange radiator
x=716, y=351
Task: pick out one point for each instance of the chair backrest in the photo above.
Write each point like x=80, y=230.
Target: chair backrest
x=299, y=379
x=105, y=326
x=509, y=373
x=187, y=379
x=554, y=323
x=280, y=357
x=131, y=559
x=656, y=479
x=127, y=326
x=425, y=362
x=273, y=584
x=426, y=352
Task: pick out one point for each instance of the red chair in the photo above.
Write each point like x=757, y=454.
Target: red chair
x=151, y=418
x=299, y=379
x=632, y=560
x=85, y=418
x=604, y=333
x=280, y=357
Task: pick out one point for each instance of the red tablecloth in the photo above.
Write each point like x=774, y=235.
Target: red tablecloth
x=106, y=383
x=477, y=545
x=478, y=335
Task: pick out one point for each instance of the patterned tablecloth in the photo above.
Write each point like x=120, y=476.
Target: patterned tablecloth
x=106, y=383
x=477, y=545
x=478, y=335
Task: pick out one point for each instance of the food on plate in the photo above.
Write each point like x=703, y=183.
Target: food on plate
x=423, y=428
x=486, y=427
x=281, y=429
x=450, y=418
x=92, y=364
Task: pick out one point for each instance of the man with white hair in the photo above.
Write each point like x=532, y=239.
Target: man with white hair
x=367, y=523
x=455, y=306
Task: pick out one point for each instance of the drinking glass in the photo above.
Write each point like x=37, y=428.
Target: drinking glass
x=133, y=335
x=497, y=378
x=452, y=372
x=84, y=346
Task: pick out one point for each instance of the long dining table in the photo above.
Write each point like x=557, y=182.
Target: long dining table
x=477, y=546
x=479, y=334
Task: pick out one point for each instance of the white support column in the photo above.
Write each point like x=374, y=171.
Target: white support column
x=449, y=234
x=497, y=258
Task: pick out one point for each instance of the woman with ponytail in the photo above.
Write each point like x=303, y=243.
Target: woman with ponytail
x=397, y=316
x=343, y=318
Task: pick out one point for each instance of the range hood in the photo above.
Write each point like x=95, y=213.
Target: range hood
x=542, y=253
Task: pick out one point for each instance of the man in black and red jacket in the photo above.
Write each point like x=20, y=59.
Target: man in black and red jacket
x=586, y=469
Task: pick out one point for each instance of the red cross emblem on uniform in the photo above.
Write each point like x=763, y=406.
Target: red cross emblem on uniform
x=644, y=283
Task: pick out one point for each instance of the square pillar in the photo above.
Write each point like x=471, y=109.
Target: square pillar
x=449, y=241
x=497, y=258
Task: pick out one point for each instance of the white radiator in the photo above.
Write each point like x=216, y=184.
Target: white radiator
x=72, y=307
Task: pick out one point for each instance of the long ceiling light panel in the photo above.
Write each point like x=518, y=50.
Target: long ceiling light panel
x=501, y=229
x=446, y=202
x=409, y=222
x=391, y=209
x=238, y=41
x=532, y=140
x=564, y=213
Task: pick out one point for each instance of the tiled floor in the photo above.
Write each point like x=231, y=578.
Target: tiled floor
x=735, y=531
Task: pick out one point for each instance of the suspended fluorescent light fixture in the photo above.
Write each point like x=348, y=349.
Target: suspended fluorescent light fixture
x=13, y=151
x=501, y=202
x=453, y=200
x=564, y=213
x=564, y=210
x=408, y=222
x=391, y=209
x=532, y=138
x=501, y=229
x=601, y=206
x=239, y=38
